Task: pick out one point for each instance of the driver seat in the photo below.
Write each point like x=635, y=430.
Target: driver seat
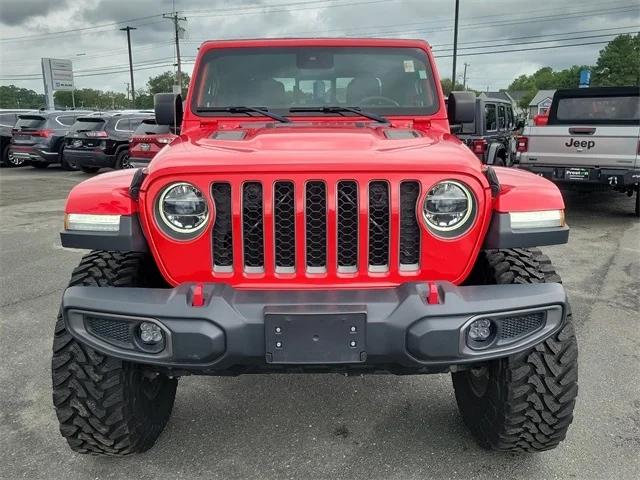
x=362, y=87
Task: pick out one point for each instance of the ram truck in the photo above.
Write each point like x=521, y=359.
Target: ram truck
x=590, y=141
x=315, y=214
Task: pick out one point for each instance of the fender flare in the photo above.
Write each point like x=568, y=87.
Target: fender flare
x=493, y=150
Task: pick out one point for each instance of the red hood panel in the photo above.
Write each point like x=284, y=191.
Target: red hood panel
x=317, y=149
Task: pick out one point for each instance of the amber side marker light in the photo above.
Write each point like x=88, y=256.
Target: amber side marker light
x=90, y=222
x=539, y=219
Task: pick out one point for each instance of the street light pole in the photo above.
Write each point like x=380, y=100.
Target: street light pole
x=455, y=46
x=464, y=76
x=133, y=91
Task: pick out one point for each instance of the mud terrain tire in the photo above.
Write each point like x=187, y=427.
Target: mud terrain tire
x=106, y=406
x=523, y=402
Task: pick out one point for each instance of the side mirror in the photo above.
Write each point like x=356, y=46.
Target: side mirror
x=461, y=107
x=168, y=109
x=519, y=125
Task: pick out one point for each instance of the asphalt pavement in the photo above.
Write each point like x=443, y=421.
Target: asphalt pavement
x=320, y=426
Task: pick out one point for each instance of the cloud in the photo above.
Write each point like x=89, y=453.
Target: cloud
x=17, y=12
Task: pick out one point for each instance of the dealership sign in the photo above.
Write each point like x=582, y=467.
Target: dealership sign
x=58, y=73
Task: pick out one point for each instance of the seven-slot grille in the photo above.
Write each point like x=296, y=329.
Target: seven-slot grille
x=275, y=213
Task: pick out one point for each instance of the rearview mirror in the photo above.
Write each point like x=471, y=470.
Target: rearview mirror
x=461, y=107
x=168, y=109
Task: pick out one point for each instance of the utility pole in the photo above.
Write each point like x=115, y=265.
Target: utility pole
x=133, y=91
x=173, y=16
x=455, y=46
x=464, y=76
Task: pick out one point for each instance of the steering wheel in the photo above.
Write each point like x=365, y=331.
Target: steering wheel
x=378, y=100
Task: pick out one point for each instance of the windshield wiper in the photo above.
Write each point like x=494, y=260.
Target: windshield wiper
x=244, y=109
x=340, y=109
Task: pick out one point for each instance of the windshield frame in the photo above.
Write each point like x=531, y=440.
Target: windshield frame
x=387, y=111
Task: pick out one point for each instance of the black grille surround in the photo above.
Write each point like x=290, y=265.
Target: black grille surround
x=373, y=223
x=379, y=223
x=221, y=235
x=253, y=227
x=284, y=212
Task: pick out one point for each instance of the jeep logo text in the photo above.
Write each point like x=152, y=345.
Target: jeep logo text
x=588, y=144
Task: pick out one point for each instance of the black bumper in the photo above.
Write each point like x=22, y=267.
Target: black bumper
x=90, y=158
x=594, y=176
x=235, y=331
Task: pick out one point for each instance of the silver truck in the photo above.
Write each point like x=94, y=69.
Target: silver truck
x=591, y=141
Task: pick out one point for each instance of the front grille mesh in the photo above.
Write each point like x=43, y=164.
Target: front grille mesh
x=252, y=226
x=409, y=228
x=284, y=211
x=221, y=236
x=347, y=210
x=514, y=327
x=111, y=330
x=288, y=210
x=379, y=225
x=316, y=225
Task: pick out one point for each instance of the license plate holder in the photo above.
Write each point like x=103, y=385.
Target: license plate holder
x=315, y=336
x=576, y=174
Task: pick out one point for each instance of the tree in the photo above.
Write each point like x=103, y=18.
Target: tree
x=447, y=87
x=164, y=82
x=619, y=62
x=16, y=97
x=91, y=98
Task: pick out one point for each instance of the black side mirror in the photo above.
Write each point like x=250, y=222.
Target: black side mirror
x=168, y=108
x=461, y=107
x=519, y=125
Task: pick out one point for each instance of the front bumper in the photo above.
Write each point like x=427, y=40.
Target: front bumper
x=234, y=330
x=592, y=176
x=89, y=158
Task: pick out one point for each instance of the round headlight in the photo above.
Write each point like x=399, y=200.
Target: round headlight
x=449, y=209
x=183, y=209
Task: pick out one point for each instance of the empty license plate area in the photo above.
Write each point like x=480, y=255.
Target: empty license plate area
x=313, y=336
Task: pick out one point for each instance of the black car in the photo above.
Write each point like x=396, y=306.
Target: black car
x=491, y=135
x=38, y=137
x=8, y=119
x=101, y=140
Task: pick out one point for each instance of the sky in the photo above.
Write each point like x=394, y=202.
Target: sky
x=87, y=32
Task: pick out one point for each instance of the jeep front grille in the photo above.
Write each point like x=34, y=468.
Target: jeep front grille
x=314, y=227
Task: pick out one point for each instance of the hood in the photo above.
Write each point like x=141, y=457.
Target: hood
x=317, y=148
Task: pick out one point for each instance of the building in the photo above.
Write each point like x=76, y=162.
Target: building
x=540, y=103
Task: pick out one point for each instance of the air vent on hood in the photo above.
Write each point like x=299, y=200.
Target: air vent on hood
x=229, y=135
x=396, y=134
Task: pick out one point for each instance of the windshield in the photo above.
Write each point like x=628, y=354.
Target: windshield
x=388, y=81
x=624, y=109
x=87, y=125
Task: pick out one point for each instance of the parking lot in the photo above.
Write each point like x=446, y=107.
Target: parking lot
x=320, y=426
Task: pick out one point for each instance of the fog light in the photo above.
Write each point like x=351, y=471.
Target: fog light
x=480, y=330
x=150, y=333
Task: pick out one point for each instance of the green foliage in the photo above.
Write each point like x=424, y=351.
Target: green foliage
x=447, y=87
x=619, y=62
x=617, y=65
x=16, y=97
x=164, y=83
x=91, y=98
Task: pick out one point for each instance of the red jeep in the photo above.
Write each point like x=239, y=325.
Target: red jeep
x=315, y=215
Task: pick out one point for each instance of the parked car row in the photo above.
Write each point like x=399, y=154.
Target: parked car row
x=84, y=140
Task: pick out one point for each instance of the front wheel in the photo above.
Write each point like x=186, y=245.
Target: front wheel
x=523, y=402
x=107, y=406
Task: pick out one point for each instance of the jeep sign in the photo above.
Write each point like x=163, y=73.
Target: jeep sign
x=588, y=144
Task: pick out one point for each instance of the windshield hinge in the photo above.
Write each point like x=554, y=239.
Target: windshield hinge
x=136, y=183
